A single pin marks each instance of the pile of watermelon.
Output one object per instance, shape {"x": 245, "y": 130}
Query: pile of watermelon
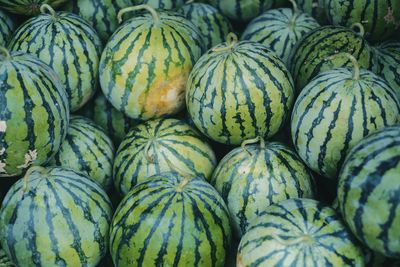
{"x": 199, "y": 133}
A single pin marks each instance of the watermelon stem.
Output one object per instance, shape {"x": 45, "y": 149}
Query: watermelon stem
{"x": 152, "y": 11}
{"x": 5, "y": 52}
{"x": 253, "y": 141}
{"x": 353, "y": 60}
{"x": 39, "y": 169}
{"x": 150, "y": 158}
{"x": 231, "y": 41}
{"x": 296, "y": 13}
{"x": 182, "y": 184}
{"x": 45, "y": 8}
{"x": 360, "y": 27}
{"x": 189, "y": 2}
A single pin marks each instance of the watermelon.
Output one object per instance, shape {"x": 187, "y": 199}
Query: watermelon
{"x": 380, "y": 18}
{"x": 213, "y": 26}
{"x": 252, "y": 177}
{"x": 28, "y": 7}
{"x": 299, "y": 232}
{"x": 171, "y": 220}
{"x": 369, "y": 191}
{"x": 242, "y": 10}
{"x": 69, "y": 45}
{"x": 34, "y": 112}
{"x": 310, "y": 54}
{"x": 280, "y": 29}
{"x": 161, "y": 145}
{"x": 87, "y": 149}
{"x": 338, "y": 109}
{"x": 145, "y": 65}
{"x": 113, "y": 122}
{"x": 161, "y": 4}
{"x": 387, "y": 60}
{"x": 101, "y": 14}
{"x": 55, "y": 217}
{"x": 239, "y": 91}
{"x": 7, "y": 27}
{"x": 315, "y": 8}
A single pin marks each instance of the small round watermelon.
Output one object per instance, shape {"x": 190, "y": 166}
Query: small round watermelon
{"x": 239, "y": 91}
{"x": 299, "y": 232}
{"x": 171, "y": 220}
{"x": 315, "y": 8}
{"x": 338, "y": 109}
{"x": 213, "y": 26}
{"x": 146, "y": 63}
{"x": 369, "y": 191}
{"x": 380, "y": 18}
{"x": 158, "y": 146}
{"x": 7, "y": 27}
{"x": 28, "y": 7}
{"x": 87, "y": 149}
{"x": 387, "y": 60}
{"x": 114, "y": 122}
{"x": 55, "y": 217}
{"x": 101, "y": 14}
{"x": 69, "y": 45}
{"x": 242, "y": 10}
{"x": 280, "y": 30}
{"x": 310, "y": 55}
{"x": 161, "y": 4}
{"x": 34, "y": 112}
{"x": 252, "y": 177}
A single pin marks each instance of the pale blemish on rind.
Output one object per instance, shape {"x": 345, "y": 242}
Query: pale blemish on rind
{"x": 3, "y": 126}
{"x": 2, "y": 164}
{"x": 29, "y": 158}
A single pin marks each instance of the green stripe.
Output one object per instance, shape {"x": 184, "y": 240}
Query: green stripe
{"x": 253, "y": 100}
{"x": 380, "y": 18}
{"x": 212, "y": 24}
{"x": 168, "y": 140}
{"x": 251, "y": 180}
{"x": 163, "y": 227}
{"x": 87, "y": 149}
{"x": 71, "y": 229}
{"x": 7, "y": 26}
{"x": 333, "y": 97}
{"x": 368, "y": 191}
{"x": 326, "y": 238}
{"x": 309, "y": 56}
{"x": 70, "y": 46}
{"x": 33, "y": 106}
{"x": 28, "y": 7}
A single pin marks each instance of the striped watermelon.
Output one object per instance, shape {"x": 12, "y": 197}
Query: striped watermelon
{"x": 212, "y": 24}
{"x": 315, "y": 8}
{"x": 310, "y": 54}
{"x": 380, "y": 18}
{"x": 238, "y": 91}
{"x": 338, "y": 109}
{"x": 55, "y": 217}
{"x": 145, "y": 65}
{"x": 28, "y": 7}
{"x": 280, "y": 29}
{"x": 250, "y": 178}
{"x": 299, "y": 232}
{"x": 387, "y": 59}
{"x": 87, "y": 149}
{"x": 158, "y": 146}
{"x": 7, "y": 27}
{"x": 34, "y": 112}
{"x": 69, "y": 45}
{"x": 171, "y": 220}
{"x": 242, "y": 10}
{"x": 114, "y": 122}
{"x": 101, "y": 14}
{"x": 369, "y": 191}
{"x": 161, "y": 4}
{"x": 4, "y": 260}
